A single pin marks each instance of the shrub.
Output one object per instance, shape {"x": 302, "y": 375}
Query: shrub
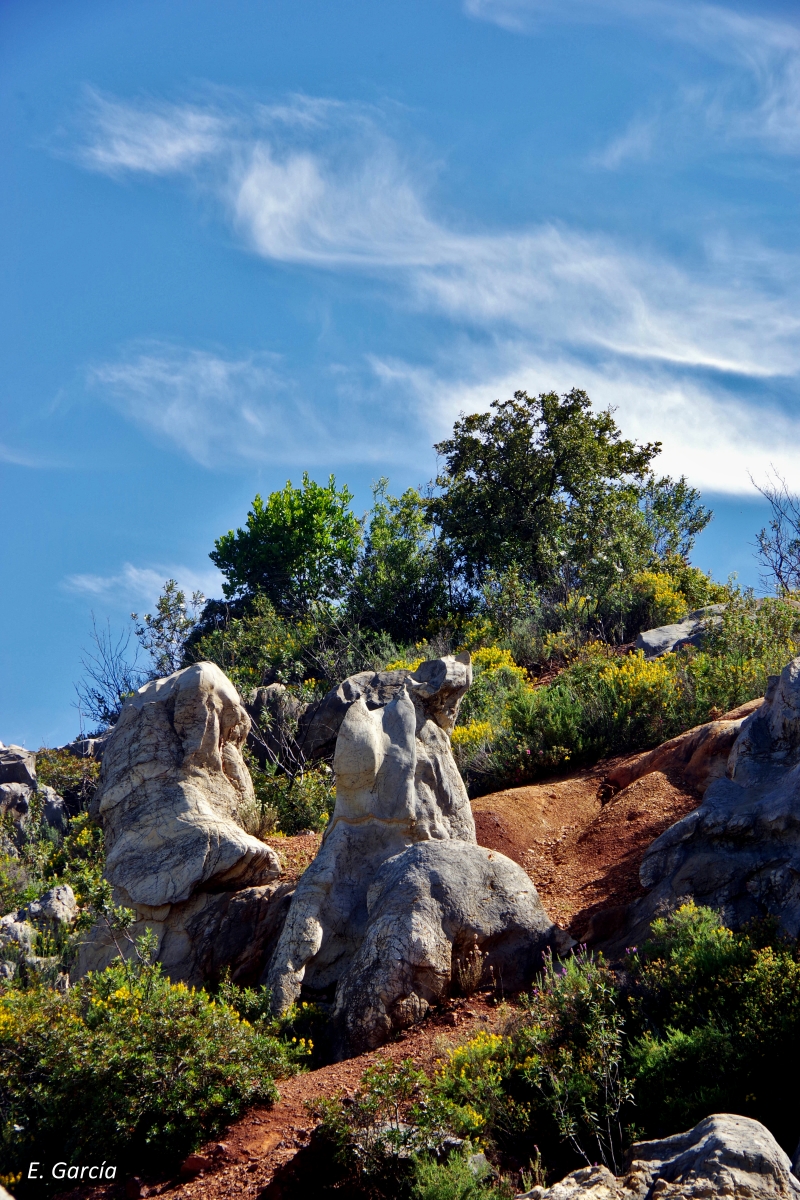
{"x": 718, "y": 1021}
{"x": 288, "y": 805}
{"x": 571, "y": 1047}
{"x": 662, "y": 601}
{"x": 73, "y": 778}
{"x": 755, "y": 639}
{"x": 455, "y": 1179}
{"x": 126, "y": 1066}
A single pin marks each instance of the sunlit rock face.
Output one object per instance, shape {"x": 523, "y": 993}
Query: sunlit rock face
{"x": 172, "y": 785}
{"x": 402, "y": 826}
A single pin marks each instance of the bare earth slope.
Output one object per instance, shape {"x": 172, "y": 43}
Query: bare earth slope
{"x": 582, "y": 854}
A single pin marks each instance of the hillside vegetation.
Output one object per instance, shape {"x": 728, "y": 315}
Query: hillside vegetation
{"x": 545, "y": 544}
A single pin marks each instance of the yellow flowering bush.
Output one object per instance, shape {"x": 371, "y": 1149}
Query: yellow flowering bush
{"x": 659, "y": 592}
{"x": 126, "y": 1066}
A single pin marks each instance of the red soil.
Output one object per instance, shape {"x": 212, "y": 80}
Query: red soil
{"x": 583, "y": 855}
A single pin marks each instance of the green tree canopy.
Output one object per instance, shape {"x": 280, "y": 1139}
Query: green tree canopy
{"x": 298, "y": 547}
{"x": 400, "y": 584}
{"x": 549, "y": 485}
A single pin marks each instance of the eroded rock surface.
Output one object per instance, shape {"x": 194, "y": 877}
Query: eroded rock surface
{"x": 739, "y": 851}
{"x": 17, "y": 765}
{"x": 428, "y": 910}
{"x": 698, "y": 755}
{"x": 172, "y": 787}
{"x": 402, "y": 827}
{"x": 724, "y": 1155}
{"x": 172, "y": 784}
{"x": 690, "y": 631}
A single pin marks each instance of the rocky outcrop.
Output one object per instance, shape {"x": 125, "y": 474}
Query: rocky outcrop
{"x": 17, "y": 765}
{"x": 724, "y": 1155}
{"x": 690, "y": 631}
{"x": 212, "y": 932}
{"x": 172, "y": 784}
{"x": 319, "y": 725}
{"x": 739, "y": 851}
{"x": 434, "y": 909}
{"x": 399, "y": 883}
{"x": 57, "y": 908}
{"x": 172, "y": 787}
{"x": 698, "y": 755}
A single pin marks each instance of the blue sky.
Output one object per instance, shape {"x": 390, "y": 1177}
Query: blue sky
{"x": 244, "y": 239}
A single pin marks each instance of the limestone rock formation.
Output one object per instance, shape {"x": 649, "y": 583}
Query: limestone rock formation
{"x": 739, "y": 851}
{"x": 402, "y": 827}
{"x": 172, "y": 786}
{"x": 200, "y": 939}
{"x": 57, "y": 907}
{"x": 428, "y": 910}
{"x": 723, "y": 1156}
{"x": 17, "y": 765}
{"x": 691, "y": 630}
{"x": 699, "y": 755}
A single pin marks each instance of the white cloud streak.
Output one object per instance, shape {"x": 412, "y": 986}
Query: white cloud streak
{"x": 715, "y": 440}
{"x": 222, "y": 411}
{"x": 157, "y": 139}
{"x": 343, "y": 199}
{"x": 134, "y": 586}
{"x": 758, "y": 100}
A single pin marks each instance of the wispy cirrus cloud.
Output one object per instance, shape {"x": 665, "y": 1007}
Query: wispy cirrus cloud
{"x": 154, "y": 138}
{"x": 322, "y": 185}
{"x": 756, "y": 99}
{"x": 131, "y": 585}
{"x": 222, "y": 411}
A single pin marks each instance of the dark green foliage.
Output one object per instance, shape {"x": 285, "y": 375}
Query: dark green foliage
{"x": 401, "y": 585}
{"x": 164, "y": 634}
{"x": 551, "y": 486}
{"x": 700, "y": 1020}
{"x": 299, "y": 547}
{"x": 127, "y": 1068}
{"x": 300, "y": 802}
{"x": 718, "y": 1021}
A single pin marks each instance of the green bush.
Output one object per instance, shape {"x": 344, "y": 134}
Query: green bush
{"x": 603, "y": 703}
{"x": 718, "y": 1021}
{"x": 126, "y": 1067}
{"x": 455, "y": 1179}
{"x": 73, "y": 778}
{"x": 289, "y": 805}
{"x": 700, "y": 1020}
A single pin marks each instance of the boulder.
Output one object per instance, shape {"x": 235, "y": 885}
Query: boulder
{"x": 197, "y": 941}
{"x": 690, "y": 631}
{"x": 274, "y": 713}
{"x": 54, "y": 809}
{"x": 90, "y": 747}
{"x": 16, "y": 933}
{"x": 172, "y": 783}
{"x": 739, "y": 851}
{"x": 724, "y": 1155}
{"x": 172, "y": 787}
{"x": 56, "y": 907}
{"x": 399, "y": 871}
{"x": 319, "y": 725}
{"x": 438, "y": 903}
{"x": 15, "y": 801}
{"x": 17, "y": 765}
